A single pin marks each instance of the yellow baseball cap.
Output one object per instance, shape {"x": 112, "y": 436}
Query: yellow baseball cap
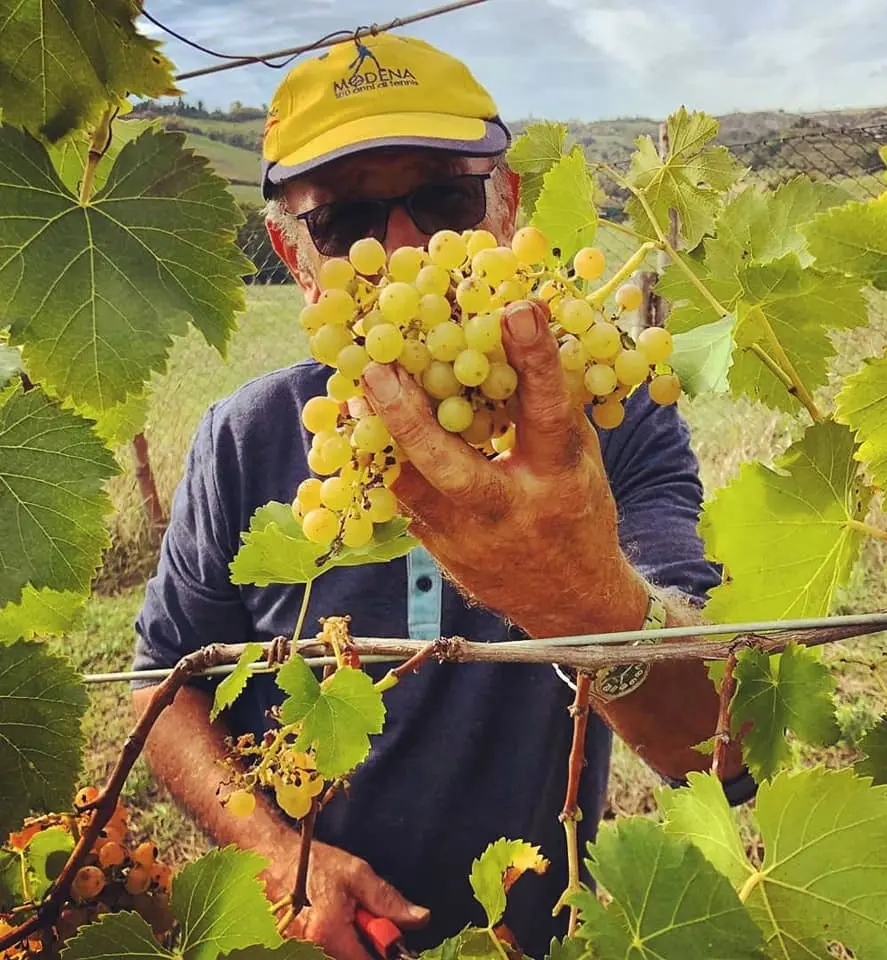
{"x": 378, "y": 91}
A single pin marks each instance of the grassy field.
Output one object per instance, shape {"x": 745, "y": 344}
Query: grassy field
{"x": 725, "y": 432}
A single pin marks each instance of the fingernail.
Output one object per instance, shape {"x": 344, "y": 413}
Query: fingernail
{"x": 382, "y": 382}
{"x": 522, "y": 324}
{"x": 420, "y": 914}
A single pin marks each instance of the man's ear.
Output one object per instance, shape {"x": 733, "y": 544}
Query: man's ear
{"x": 512, "y": 192}
{"x": 289, "y": 254}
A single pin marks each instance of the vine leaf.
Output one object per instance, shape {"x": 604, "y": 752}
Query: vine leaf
{"x": 862, "y": 405}
{"x": 570, "y": 948}
{"x": 120, "y": 423}
{"x": 669, "y": 902}
{"x": 233, "y": 685}
{"x": 565, "y": 209}
{"x": 786, "y": 535}
{"x": 69, "y": 157}
{"x": 690, "y": 180}
{"x": 41, "y": 613}
{"x": 60, "y": 65}
{"x": 221, "y": 905}
{"x": 124, "y": 936}
{"x": 852, "y": 239}
{"x": 824, "y": 876}
{"x": 794, "y": 694}
{"x": 275, "y": 550}
{"x": 52, "y": 473}
{"x": 337, "y": 716}
{"x": 288, "y": 950}
{"x": 95, "y": 293}
{"x": 702, "y": 357}
{"x": 12, "y": 891}
{"x": 532, "y": 155}
{"x": 42, "y": 701}
{"x": 44, "y": 858}
{"x": 874, "y": 746}
{"x": 495, "y": 871}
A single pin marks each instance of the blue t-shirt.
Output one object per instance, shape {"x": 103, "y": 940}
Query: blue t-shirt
{"x": 470, "y": 752}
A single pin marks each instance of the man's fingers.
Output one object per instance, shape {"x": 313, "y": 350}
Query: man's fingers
{"x": 334, "y": 931}
{"x": 384, "y": 900}
{"x": 444, "y": 459}
{"x": 550, "y": 435}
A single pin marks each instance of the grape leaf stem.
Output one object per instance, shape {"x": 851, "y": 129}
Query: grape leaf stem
{"x": 394, "y": 676}
{"x": 98, "y": 146}
{"x": 802, "y": 393}
{"x": 867, "y": 529}
{"x": 626, "y": 270}
{"x": 722, "y": 732}
{"x": 303, "y": 610}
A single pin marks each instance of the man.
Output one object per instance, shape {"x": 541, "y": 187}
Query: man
{"x": 567, "y": 536}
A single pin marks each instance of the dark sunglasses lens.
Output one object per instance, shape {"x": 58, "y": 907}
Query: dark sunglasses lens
{"x": 457, "y": 204}
{"x": 336, "y": 226}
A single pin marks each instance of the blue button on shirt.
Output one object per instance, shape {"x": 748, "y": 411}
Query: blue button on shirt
{"x": 470, "y": 752}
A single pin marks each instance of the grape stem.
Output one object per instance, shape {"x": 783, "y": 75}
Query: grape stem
{"x": 394, "y": 676}
{"x": 299, "y": 897}
{"x": 98, "y": 146}
{"x": 303, "y": 610}
{"x": 625, "y": 271}
{"x": 571, "y": 814}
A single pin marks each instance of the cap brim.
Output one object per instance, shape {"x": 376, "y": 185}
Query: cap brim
{"x": 468, "y": 136}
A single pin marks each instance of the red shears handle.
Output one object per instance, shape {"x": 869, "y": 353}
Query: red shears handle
{"x": 383, "y": 934}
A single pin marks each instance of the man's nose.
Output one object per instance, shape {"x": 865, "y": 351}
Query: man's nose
{"x": 402, "y": 232}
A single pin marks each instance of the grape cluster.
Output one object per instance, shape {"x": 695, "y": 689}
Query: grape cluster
{"x": 438, "y": 314}
{"x": 114, "y": 877}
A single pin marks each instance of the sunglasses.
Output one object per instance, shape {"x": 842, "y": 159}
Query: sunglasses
{"x": 458, "y": 203}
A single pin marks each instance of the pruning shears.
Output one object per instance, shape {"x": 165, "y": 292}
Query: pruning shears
{"x": 383, "y": 936}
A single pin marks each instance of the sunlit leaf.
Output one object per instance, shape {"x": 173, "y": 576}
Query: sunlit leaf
{"x": 862, "y": 405}
{"x": 532, "y": 155}
{"x": 565, "y": 210}
{"x": 497, "y": 868}
{"x": 235, "y": 683}
{"x": 874, "y": 747}
{"x": 41, "y": 613}
{"x": 702, "y": 357}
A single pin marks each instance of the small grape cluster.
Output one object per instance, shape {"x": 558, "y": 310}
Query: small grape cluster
{"x": 114, "y": 877}
{"x": 438, "y": 314}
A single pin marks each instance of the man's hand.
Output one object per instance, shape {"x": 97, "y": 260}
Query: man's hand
{"x": 532, "y": 534}
{"x": 337, "y": 884}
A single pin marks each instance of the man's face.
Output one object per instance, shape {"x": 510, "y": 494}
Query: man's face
{"x": 390, "y": 173}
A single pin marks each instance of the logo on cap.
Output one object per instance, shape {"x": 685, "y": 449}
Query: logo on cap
{"x": 368, "y": 74}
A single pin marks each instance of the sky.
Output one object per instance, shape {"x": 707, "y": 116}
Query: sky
{"x": 577, "y": 59}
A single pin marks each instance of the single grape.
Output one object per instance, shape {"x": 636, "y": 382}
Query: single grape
{"x": 382, "y": 505}
{"x": 572, "y": 354}
{"x": 391, "y": 473}
{"x": 311, "y": 318}
{"x": 439, "y": 380}
{"x": 352, "y": 359}
{"x": 629, "y": 297}
{"x": 665, "y": 389}
{"x": 144, "y": 854}
{"x": 548, "y": 291}
{"x": 327, "y": 342}
{"x": 501, "y": 381}
{"x": 336, "y": 451}
{"x": 358, "y": 531}
{"x": 447, "y": 249}
{"x": 433, "y": 309}
{"x": 367, "y": 256}
{"x": 241, "y": 803}
{"x": 575, "y": 315}
{"x": 308, "y": 493}
{"x": 341, "y": 389}
{"x": 589, "y": 263}
{"x": 511, "y": 290}
{"x": 530, "y": 245}
{"x": 320, "y": 413}
{"x": 372, "y": 319}
{"x": 656, "y": 344}
{"x": 433, "y": 279}
{"x": 600, "y": 379}
{"x": 85, "y": 796}
{"x": 405, "y": 263}
{"x": 337, "y": 307}
{"x": 161, "y": 874}
{"x": 602, "y": 341}
{"x": 112, "y": 854}
{"x": 335, "y": 274}
{"x": 473, "y": 295}
{"x": 478, "y": 240}
{"x": 370, "y": 435}
{"x": 445, "y": 341}
{"x": 317, "y": 464}
{"x": 88, "y": 883}
{"x": 384, "y": 343}
{"x": 293, "y": 800}
{"x": 320, "y": 525}
{"x": 506, "y": 441}
{"x": 414, "y": 357}
{"x": 138, "y": 879}
{"x": 479, "y": 431}
{"x": 495, "y": 265}
{"x": 631, "y": 367}
{"x": 455, "y": 414}
{"x": 483, "y": 331}
{"x": 335, "y": 493}
{"x": 471, "y": 367}
{"x": 399, "y": 303}
{"x": 608, "y": 415}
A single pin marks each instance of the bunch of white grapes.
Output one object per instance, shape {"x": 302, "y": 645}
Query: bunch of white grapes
{"x": 438, "y": 313}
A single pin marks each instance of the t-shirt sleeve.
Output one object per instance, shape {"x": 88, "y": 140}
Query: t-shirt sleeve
{"x": 191, "y": 602}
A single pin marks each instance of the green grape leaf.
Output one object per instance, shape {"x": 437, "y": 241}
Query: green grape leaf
{"x": 221, "y": 905}
{"x": 288, "y": 950}
{"x": 570, "y": 948}
{"x": 874, "y": 746}
{"x": 10, "y": 363}
{"x": 69, "y": 157}
{"x": 449, "y": 949}
{"x": 275, "y": 550}
{"x": 494, "y": 872}
{"x": 12, "y": 891}
{"x": 337, "y": 716}
{"x": 669, "y": 902}
{"x": 41, "y": 613}
{"x": 61, "y": 65}
{"x": 565, "y": 210}
{"x": 52, "y": 512}
{"x": 794, "y": 694}
{"x": 702, "y": 357}
{"x": 123, "y": 936}
{"x": 44, "y": 858}
{"x": 824, "y": 876}
{"x": 690, "y": 179}
{"x": 852, "y": 239}
{"x": 701, "y": 814}
{"x": 95, "y": 293}
{"x": 532, "y": 155}
{"x": 235, "y": 683}
{"x": 42, "y": 701}
{"x": 787, "y": 536}
{"x": 120, "y": 423}
{"x": 862, "y": 405}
